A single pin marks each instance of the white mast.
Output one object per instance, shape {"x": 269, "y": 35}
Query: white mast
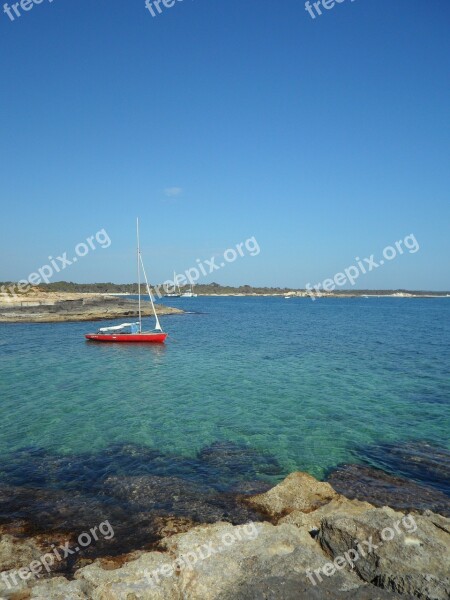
{"x": 175, "y": 278}
{"x": 158, "y": 326}
{"x": 139, "y": 273}
{"x": 141, "y": 263}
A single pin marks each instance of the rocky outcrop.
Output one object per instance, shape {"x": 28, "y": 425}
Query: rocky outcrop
{"x": 319, "y": 546}
{"x": 57, "y": 308}
{"x": 241, "y": 565}
{"x": 338, "y": 506}
{"x": 407, "y": 554}
{"x": 299, "y": 491}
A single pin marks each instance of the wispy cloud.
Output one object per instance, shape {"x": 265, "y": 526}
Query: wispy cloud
{"x": 173, "y": 192}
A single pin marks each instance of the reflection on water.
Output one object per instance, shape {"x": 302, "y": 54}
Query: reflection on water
{"x": 127, "y": 351}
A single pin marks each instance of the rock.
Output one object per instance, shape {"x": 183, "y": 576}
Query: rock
{"x": 241, "y": 556}
{"x": 438, "y": 520}
{"x": 177, "y": 497}
{"x": 65, "y": 307}
{"x": 166, "y": 526}
{"x": 132, "y": 486}
{"x": 382, "y": 489}
{"x": 399, "y": 556}
{"x": 299, "y": 491}
{"x": 313, "y": 520}
{"x": 418, "y": 460}
{"x": 58, "y": 515}
{"x": 295, "y": 587}
{"x": 237, "y": 461}
{"x": 247, "y": 488}
{"x": 58, "y": 588}
{"x": 151, "y": 491}
{"x": 226, "y": 562}
{"x": 407, "y": 554}
{"x": 16, "y": 552}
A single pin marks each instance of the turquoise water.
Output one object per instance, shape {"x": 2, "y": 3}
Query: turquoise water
{"x": 310, "y": 383}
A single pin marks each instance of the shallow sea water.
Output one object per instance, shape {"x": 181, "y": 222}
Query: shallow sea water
{"x": 308, "y": 383}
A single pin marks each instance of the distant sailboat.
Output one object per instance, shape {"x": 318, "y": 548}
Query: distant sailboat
{"x": 132, "y": 332}
{"x": 189, "y": 293}
{"x": 176, "y": 286}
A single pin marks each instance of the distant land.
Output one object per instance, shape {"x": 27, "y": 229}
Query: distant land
{"x": 216, "y": 289}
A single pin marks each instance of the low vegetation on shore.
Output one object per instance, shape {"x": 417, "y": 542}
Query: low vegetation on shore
{"x": 206, "y": 289}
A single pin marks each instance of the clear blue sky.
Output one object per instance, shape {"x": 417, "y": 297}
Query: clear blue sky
{"x": 325, "y": 139}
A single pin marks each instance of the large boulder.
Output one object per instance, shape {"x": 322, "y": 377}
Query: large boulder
{"x": 408, "y": 554}
{"x": 338, "y": 506}
{"x": 299, "y": 491}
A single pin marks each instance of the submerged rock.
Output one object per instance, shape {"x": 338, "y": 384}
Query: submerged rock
{"x": 130, "y": 485}
{"x": 382, "y": 489}
{"x": 223, "y": 466}
{"x": 177, "y": 497}
{"x": 38, "y": 468}
{"x": 166, "y": 526}
{"x": 232, "y": 460}
{"x": 418, "y": 460}
{"x": 248, "y": 488}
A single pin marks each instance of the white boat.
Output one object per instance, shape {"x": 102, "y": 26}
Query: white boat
{"x": 189, "y": 293}
{"x": 176, "y": 294}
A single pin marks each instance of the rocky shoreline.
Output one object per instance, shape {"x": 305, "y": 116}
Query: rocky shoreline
{"x": 307, "y": 541}
{"x": 66, "y": 307}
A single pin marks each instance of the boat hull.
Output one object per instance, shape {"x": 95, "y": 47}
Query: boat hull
{"x": 142, "y": 338}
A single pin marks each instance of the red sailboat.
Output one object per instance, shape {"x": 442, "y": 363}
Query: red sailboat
{"x": 132, "y": 332}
